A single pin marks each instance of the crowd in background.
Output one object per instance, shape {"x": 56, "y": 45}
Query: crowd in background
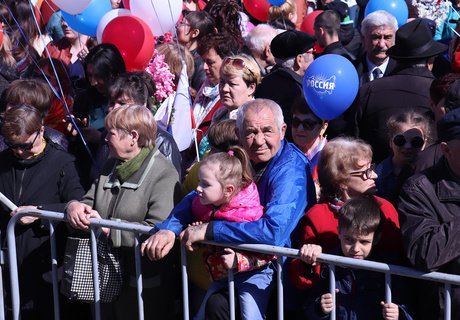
{"x": 254, "y": 162}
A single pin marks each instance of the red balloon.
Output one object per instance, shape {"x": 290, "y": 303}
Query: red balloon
{"x": 309, "y": 22}
{"x": 1, "y": 35}
{"x": 133, "y": 38}
{"x": 257, "y": 9}
{"x": 126, "y": 4}
{"x": 47, "y": 9}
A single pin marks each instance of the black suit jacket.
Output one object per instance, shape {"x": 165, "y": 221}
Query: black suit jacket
{"x": 363, "y": 69}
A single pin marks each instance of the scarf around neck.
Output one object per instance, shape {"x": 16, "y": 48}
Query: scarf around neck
{"x": 126, "y": 169}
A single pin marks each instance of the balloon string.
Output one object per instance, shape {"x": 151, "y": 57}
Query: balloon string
{"x": 35, "y": 62}
{"x": 158, "y": 18}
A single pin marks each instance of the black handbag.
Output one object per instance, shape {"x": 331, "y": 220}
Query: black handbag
{"x": 77, "y": 279}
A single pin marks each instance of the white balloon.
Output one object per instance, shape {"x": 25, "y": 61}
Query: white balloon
{"x": 160, "y": 15}
{"x": 72, "y": 6}
{"x": 106, "y": 18}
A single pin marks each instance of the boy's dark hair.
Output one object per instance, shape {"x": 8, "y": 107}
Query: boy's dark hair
{"x": 361, "y": 214}
{"x": 329, "y": 20}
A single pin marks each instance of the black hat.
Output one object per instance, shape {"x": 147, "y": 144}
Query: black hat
{"x": 453, "y": 96}
{"x": 291, "y": 43}
{"x": 415, "y": 41}
{"x": 449, "y": 126}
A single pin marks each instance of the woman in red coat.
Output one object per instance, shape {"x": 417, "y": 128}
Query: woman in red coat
{"x": 344, "y": 171}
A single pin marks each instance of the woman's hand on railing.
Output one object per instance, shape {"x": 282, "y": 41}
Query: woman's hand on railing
{"x": 309, "y": 253}
{"x": 390, "y": 311}
{"x": 26, "y": 219}
{"x": 158, "y": 245}
{"x": 78, "y": 215}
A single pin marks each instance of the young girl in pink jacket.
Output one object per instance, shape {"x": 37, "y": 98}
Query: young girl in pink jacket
{"x": 226, "y": 192}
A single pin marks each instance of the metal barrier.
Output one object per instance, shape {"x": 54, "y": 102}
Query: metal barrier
{"x": 387, "y": 269}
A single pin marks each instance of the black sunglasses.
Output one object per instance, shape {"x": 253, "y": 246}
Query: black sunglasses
{"x": 365, "y": 174}
{"x": 416, "y": 142}
{"x": 306, "y": 124}
{"x": 23, "y": 146}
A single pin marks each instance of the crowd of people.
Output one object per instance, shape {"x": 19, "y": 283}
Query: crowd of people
{"x": 82, "y": 135}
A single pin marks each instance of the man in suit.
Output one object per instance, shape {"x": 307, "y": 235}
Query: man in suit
{"x": 407, "y": 88}
{"x": 378, "y": 31}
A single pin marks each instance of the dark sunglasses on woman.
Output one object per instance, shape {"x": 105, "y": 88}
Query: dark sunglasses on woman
{"x": 415, "y": 142}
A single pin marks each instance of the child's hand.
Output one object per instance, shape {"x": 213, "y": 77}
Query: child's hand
{"x": 390, "y": 311}
{"x": 196, "y": 223}
{"x": 309, "y": 253}
{"x": 229, "y": 258}
{"x": 326, "y": 303}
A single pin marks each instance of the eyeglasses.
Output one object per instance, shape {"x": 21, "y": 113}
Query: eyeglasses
{"x": 416, "y": 142}
{"x": 306, "y": 123}
{"x": 238, "y": 64}
{"x": 311, "y": 51}
{"x": 23, "y": 146}
{"x": 364, "y": 174}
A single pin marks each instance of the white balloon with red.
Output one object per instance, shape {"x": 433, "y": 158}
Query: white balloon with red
{"x": 72, "y": 6}
{"x": 160, "y": 15}
{"x": 109, "y": 16}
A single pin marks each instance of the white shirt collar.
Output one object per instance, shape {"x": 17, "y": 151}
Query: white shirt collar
{"x": 371, "y": 66}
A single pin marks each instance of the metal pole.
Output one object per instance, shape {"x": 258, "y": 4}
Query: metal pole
{"x": 447, "y": 302}
{"x": 137, "y": 260}
{"x": 279, "y": 279}
{"x": 231, "y": 294}
{"x": 332, "y": 289}
{"x": 388, "y": 287}
{"x": 54, "y": 269}
{"x": 185, "y": 304}
{"x": 97, "y": 300}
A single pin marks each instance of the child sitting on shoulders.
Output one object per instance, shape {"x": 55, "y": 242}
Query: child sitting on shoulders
{"x": 360, "y": 293}
{"x": 226, "y": 192}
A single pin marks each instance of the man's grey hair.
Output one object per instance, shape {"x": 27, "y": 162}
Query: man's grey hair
{"x": 286, "y": 63}
{"x": 378, "y": 18}
{"x": 257, "y": 105}
{"x": 259, "y": 37}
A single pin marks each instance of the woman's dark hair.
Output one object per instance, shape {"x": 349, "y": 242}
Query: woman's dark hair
{"x": 440, "y": 86}
{"x": 33, "y": 92}
{"x": 226, "y": 14}
{"x": 223, "y": 44}
{"x": 202, "y": 21}
{"x": 19, "y": 121}
{"x": 131, "y": 85}
{"x": 106, "y": 61}
{"x": 301, "y": 106}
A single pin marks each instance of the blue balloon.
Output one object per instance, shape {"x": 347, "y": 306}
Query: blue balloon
{"x": 87, "y": 21}
{"x": 398, "y": 8}
{"x": 276, "y": 2}
{"x": 330, "y": 85}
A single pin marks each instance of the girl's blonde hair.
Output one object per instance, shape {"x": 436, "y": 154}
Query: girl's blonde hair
{"x": 233, "y": 167}
{"x": 276, "y": 12}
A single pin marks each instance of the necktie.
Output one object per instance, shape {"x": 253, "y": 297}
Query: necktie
{"x": 377, "y": 73}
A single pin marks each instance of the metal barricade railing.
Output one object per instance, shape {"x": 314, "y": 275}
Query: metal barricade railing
{"x": 447, "y": 279}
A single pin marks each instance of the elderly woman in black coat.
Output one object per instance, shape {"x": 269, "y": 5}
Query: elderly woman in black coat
{"x": 34, "y": 172}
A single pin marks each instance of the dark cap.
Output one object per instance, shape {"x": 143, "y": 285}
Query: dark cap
{"x": 291, "y": 43}
{"x": 449, "y": 126}
{"x": 453, "y": 96}
{"x": 415, "y": 41}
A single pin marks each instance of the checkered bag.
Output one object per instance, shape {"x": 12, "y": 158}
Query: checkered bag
{"x": 77, "y": 280}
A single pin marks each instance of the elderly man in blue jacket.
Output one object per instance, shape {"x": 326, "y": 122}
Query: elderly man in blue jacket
{"x": 283, "y": 178}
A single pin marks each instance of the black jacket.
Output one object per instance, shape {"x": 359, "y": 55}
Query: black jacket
{"x": 429, "y": 208}
{"x": 50, "y": 180}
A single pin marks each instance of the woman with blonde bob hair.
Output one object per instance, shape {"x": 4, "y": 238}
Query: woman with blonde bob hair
{"x": 239, "y": 77}
{"x": 344, "y": 172}
{"x": 138, "y": 184}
